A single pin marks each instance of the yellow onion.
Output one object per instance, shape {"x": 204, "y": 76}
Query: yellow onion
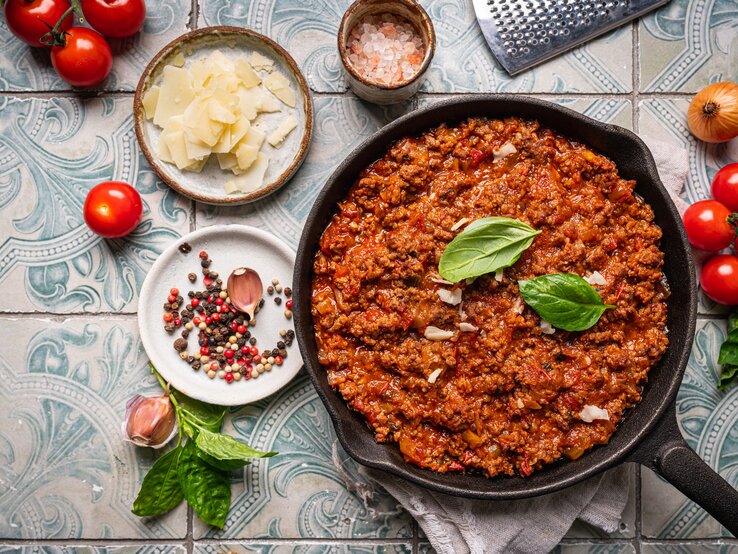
{"x": 713, "y": 113}
{"x": 150, "y": 421}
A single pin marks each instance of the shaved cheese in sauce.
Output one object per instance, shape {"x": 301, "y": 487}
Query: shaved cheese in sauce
{"x": 591, "y": 413}
{"x": 547, "y": 328}
{"x": 503, "y": 151}
{"x": 434, "y": 376}
{"x": 499, "y": 275}
{"x": 465, "y": 327}
{"x": 460, "y": 223}
{"x": 434, "y": 333}
{"x": 596, "y": 279}
{"x": 452, "y": 297}
{"x": 208, "y": 107}
{"x": 441, "y": 281}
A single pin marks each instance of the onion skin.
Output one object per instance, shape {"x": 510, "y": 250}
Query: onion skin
{"x": 713, "y": 113}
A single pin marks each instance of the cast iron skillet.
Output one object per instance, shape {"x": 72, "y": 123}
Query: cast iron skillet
{"x": 648, "y": 434}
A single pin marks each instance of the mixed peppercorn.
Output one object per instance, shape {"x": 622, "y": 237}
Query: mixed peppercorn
{"x": 226, "y": 347}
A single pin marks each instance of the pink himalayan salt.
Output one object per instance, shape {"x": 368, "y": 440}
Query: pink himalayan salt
{"x": 385, "y": 48}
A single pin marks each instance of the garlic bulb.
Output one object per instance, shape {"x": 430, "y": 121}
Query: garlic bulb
{"x": 149, "y": 421}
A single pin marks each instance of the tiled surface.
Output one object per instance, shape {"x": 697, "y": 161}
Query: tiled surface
{"x": 75, "y": 356}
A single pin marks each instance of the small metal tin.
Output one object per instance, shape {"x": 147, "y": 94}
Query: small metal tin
{"x": 368, "y": 89}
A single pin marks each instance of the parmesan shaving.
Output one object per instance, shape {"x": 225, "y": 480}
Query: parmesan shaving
{"x": 591, "y": 413}
{"x": 499, "y": 275}
{"x": 596, "y": 279}
{"x": 521, "y": 405}
{"x": 434, "y": 333}
{"x": 519, "y": 306}
{"x": 547, "y": 328}
{"x": 434, "y": 376}
{"x": 452, "y": 297}
{"x": 465, "y": 327}
{"x": 503, "y": 151}
{"x": 460, "y": 223}
{"x": 441, "y": 281}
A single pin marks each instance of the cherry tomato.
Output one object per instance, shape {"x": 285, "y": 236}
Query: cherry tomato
{"x": 720, "y": 279}
{"x": 708, "y": 226}
{"x": 725, "y": 186}
{"x": 115, "y": 18}
{"x": 113, "y": 209}
{"x": 85, "y": 60}
{"x": 29, "y": 20}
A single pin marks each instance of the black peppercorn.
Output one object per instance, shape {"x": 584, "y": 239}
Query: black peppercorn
{"x": 277, "y": 300}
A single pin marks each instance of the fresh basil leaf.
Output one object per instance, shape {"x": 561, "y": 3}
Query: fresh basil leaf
{"x": 160, "y": 490}
{"x": 486, "y": 245}
{"x": 223, "y": 465}
{"x": 566, "y": 301}
{"x": 206, "y": 489}
{"x": 200, "y": 413}
{"x": 728, "y": 376}
{"x": 728, "y": 358}
{"x": 729, "y": 349}
{"x": 225, "y": 447}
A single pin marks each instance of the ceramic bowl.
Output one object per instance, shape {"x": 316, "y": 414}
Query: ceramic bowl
{"x": 371, "y": 90}
{"x": 207, "y": 186}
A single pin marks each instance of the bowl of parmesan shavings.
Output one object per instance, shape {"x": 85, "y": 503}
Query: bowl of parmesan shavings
{"x": 223, "y": 115}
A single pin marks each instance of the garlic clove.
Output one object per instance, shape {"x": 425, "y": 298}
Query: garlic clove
{"x": 149, "y": 421}
{"x": 245, "y": 289}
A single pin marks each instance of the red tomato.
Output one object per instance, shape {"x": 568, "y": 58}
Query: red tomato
{"x": 720, "y": 279}
{"x": 29, "y": 20}
{"x": 115, "y": 18}
{"x": 725, "y": 186}
{"x": 708, "y": 227}
{"x": 85, "y": 60}
{"x": 113, "y": 209}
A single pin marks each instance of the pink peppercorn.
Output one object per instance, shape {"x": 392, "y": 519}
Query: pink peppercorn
{"x": 288, "y": 304}
{"x": 228, "y": 353}
{"x": 229, "y": 377}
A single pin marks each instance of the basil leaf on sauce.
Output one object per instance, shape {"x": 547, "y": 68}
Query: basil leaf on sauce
{"x": 225, "y": 447}
{"x": 207, "y": 490}
{"x": 729, "y": 355}
{"x": 160, "y": 490}
{"x": 486, "y": 245}
{"x": 566, "y": 301}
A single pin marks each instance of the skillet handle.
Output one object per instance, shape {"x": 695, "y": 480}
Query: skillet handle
{"x": 666, "y": 452}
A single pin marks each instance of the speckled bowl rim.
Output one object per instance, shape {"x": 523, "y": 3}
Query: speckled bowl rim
{"x": 154, "y": 162}
{"x": 427, "y": 59}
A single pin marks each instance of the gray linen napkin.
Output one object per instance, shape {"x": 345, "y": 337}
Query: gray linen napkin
{"x": 463, "y": 526}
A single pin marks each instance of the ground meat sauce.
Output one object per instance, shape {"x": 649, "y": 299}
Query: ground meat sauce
{"x": 508, "y": 396}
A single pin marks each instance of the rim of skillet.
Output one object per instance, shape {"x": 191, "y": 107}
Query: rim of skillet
{"x": 595, "y": 460}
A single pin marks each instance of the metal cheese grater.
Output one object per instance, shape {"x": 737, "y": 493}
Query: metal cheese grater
{"x": 524, "y": 33}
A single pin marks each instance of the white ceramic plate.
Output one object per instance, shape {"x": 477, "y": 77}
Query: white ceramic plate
{"x": 207, "y": 186}
{"x": 229, "y": 246}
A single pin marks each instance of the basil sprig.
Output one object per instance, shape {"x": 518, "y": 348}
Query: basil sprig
{"x": 566, "y": 301}
{"x": 486, "y": 245}
{"x": 729, "y": 355}
{"x": 196, "y": 470}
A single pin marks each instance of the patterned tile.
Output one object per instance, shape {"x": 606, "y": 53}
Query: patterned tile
{"x": 65, "y": 473}
{"x": 308, "y": 30}
{"x": 707, "y": 418}
{"x": 71, "y": 549}
{"x": 310, "y": 548}
{"x": 23, "y": 68}
{"x": 52, "y": 151}
{"x": 666, "y": 121}
{"x": 691, "y": 548}
{"x": 688, "y": 44}
{"x": 341, "y": 123}
{"x": 594, "y": 548}
{"x": 301, "y": 493}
